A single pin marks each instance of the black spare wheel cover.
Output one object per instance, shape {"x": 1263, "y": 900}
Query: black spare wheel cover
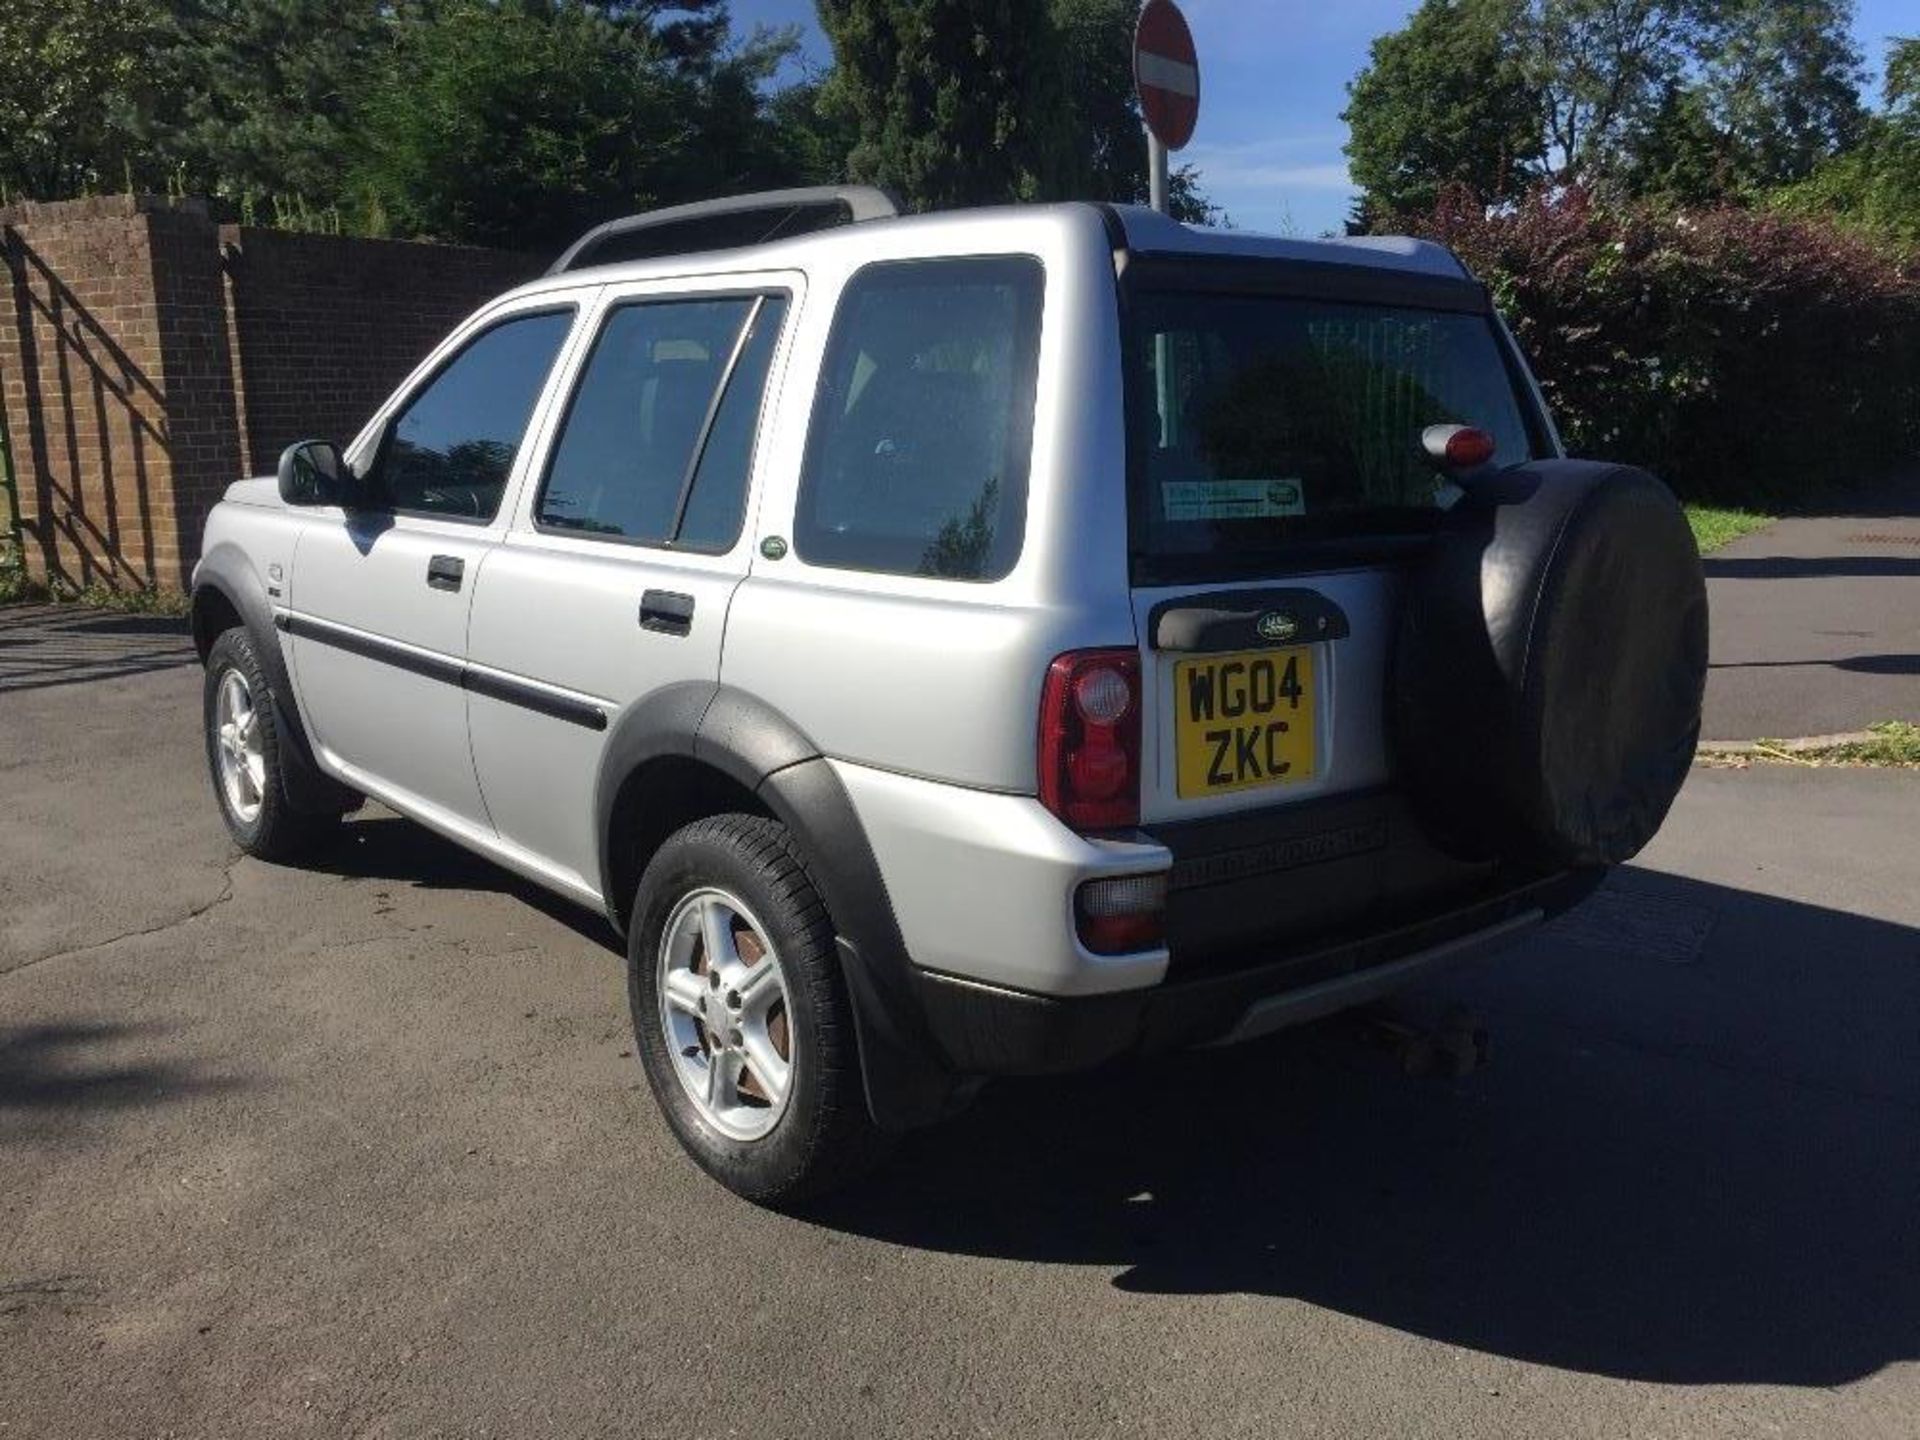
{"x": 1550, "y": 664}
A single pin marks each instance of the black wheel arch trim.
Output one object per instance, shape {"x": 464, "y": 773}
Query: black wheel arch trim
{"x": 761, "y": 749}
{"x": 226, "y": 571}
{"x": 736, "y": 733}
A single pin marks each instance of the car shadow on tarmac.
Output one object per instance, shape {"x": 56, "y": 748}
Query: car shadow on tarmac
{"x": 1695, "y": 1157}
{"x": 378, "y": 845}
{"x": 1689, "y": 1162}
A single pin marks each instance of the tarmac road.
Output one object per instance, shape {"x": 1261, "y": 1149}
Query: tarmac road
{"x": 361, "y": 1150}
{"x": 1816, "y": 623}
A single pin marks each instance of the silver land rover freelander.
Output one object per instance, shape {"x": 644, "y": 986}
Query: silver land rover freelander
{"x": 963, "y": 645}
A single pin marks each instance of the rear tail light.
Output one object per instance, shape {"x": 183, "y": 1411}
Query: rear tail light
{"x": 1121, "y": 916}
{"x": 1090, "y": 739}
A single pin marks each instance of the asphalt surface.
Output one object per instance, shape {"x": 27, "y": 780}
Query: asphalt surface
{"x": 1816, "y": 624}
{"x": 361, "y": 1150}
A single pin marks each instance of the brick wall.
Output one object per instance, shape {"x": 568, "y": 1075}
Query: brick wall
{"x": 81, "y": 374}
{"x": 325, "y": 327}
{"x": 149, "y": 357}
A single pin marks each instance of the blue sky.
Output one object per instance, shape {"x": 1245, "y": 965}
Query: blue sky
{"x": 1273, "y": 84}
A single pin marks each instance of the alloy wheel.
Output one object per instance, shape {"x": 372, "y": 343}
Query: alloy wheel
{"x": 725, "y": 1013}
{"x": 238, "y": 745}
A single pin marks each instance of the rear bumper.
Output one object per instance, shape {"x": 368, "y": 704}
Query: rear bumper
{"x": 958, "y": 930}
{"x": 985, "y": 1029}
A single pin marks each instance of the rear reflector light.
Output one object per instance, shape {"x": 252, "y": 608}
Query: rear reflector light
{"x": 1090, "y": 739}
{"x": 1458, "y": 447}
{"x": 1469, "y": 449}
{"x": 1118, "y": 917}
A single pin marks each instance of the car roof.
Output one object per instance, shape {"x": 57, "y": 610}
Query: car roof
{"x": 988, "y": 230}
{"x": 1151, "y": 233}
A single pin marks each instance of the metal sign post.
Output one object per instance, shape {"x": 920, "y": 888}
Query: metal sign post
{"x": 1157, "y": 175}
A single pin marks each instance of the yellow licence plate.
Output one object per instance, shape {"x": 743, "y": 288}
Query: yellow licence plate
{"x": 1243, "y": 720}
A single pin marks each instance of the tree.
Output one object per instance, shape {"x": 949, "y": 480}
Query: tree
{"x": 1446, "y": 101}
{"x": 522, "y": 122}
{"x": 70, "y": 75}
{"x": 956, "y": 102}
{"x": 1699, "y": 99}
{"x": 813, "y": 136}
{"x": 1876, "y": 184}
{"x": 1774, "y": 93}
{"x": 953, "y": 102}
{"x": 1602, "y": 68}
{"x": 255, "y": 99}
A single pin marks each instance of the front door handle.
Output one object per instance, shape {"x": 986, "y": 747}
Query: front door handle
{"x": 667, "y": 612}
{"x": 444, "y": 572}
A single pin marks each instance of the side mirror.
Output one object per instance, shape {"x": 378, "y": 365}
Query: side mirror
{"x": 314, "y": 472}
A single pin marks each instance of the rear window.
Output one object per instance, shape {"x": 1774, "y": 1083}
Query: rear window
{"x": 917, "y": 459}
{"x": 1258, "y": 422}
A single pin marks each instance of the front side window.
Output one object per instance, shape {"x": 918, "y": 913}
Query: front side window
{"x": 917, "y": 458}
{"x": 450, "y": 449}
{"x": 1257, "y": 421}
{"x": 658, "y": 440}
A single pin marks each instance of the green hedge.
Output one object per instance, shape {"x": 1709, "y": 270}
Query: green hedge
{"x": 1746, "y": 357}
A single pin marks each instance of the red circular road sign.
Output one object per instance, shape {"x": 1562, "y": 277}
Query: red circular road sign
{"x": 1166, "y": 73}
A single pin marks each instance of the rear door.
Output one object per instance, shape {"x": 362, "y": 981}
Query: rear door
{"x": 615, "y": 579}
{"x": 1277, "y": 484}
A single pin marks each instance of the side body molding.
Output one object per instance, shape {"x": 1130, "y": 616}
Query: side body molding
{"x": 764, "y": 752}
{"x": 226, "y": 574}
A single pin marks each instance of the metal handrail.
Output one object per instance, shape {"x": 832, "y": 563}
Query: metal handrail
{"x": 789, "y": 212}
{"x": 13, "y": 542}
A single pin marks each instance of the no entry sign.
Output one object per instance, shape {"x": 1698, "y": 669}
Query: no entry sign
{"x": 1166, "y": 73}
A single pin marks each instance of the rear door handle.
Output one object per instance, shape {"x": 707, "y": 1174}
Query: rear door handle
{"x": 667, "y": 612}
{"x": 444, "y": 572}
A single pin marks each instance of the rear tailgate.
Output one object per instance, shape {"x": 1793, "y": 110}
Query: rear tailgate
{"x": 1268, "y": 772}
{"x": 1277, "y": 489}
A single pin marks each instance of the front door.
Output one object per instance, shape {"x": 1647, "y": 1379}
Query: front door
{"x": 379, "y": 598}
{"x": 615, "y": 581}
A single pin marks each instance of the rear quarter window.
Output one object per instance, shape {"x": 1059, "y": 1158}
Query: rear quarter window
{"x": 922, "y": 431}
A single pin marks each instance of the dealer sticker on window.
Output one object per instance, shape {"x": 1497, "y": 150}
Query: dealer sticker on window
{"x": 1232, "y": 499}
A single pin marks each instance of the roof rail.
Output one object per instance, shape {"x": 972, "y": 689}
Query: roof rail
{"x": 727, "y": 224}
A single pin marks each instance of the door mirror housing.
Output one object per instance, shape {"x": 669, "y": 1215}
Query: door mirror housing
{"x": 314, "y": 472}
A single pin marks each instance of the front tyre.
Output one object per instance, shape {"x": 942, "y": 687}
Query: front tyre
{"x": 741, "y": 1015}
{"x": 244, "y": 756}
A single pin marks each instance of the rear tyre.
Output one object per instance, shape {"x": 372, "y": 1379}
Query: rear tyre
{"x": 244, "y": 757}
{"x": 742, "y": 1017}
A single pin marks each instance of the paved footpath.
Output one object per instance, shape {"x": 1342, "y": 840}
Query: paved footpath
{"x": 362, "y": 1149}
{"x": 1816, "y": 625}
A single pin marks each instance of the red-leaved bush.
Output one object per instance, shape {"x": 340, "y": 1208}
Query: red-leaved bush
{"x": 1743, "y": 356}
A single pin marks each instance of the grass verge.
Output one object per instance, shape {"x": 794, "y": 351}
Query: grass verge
{"x": 1715, "y": 525}
{"x": 1892, "y": 744}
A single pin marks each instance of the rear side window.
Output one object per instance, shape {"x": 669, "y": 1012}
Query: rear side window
{"x": 658, "y": 438}
{"x": 450, "y": 449}
{"x": 1259, "y": 421}
{"x": 917, "y": 458}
